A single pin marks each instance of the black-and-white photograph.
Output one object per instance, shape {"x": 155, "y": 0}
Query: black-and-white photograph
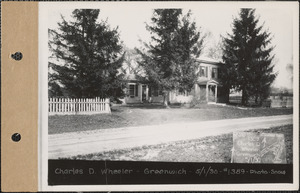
{"x": 171, "y": 84}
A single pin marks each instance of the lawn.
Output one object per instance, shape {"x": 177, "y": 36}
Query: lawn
{"x": 208, "y": 149}
{"x": 138, "y": 115}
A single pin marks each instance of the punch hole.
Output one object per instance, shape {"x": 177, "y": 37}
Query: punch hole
{"x": 17, "y": 56}
{"x": 16, "y": 137}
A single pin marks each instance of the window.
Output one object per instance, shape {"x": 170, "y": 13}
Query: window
{"x": 136, "y": 90}
{"x": 183, "y": 92}
{"x": 203, "y": 71}
{"x": 214, "y": 73}
{"x": 156, "y": 92}
{"x": 131, "y": 90}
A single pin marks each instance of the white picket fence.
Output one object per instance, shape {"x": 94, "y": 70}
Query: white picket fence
{"x": 66, "y": 106}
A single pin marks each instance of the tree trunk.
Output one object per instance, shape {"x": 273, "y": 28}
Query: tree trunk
{"x": 166, "y": 99}
{"x": 261, "y": 99}
{"x": 244, "y": 97}
{"x": 256, "y": 99}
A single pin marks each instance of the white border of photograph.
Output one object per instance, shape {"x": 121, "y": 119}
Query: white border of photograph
{"x": 45, "y": 7}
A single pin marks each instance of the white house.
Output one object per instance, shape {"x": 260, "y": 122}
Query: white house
{"x": 207, "y": 87}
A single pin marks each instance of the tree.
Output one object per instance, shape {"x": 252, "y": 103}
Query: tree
{"x": 87, "y": 56}
{"x": 188, "y": 46}
{"x": 169, "y": 58}
{"x": 54, "y": 90}
{"x": 130, "y": 65}
{"x": 215, "y": 51}
{"x": 247, "y": 57}
{"x": 290, "y": 69}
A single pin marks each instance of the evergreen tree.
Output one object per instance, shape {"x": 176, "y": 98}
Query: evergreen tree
{"x": 188, "y": 46}
{"x": 88, "y": 55}
{"x": 54, "y": 90}
{"x": 248, "y": 59}
{"x": 169, "y": 59}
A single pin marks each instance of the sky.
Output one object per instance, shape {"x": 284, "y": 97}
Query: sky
{"x": 213, "y": 18}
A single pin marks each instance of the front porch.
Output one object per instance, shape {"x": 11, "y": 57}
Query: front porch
{"x": 207, "y": 91}
{"x": 136, "y": 92}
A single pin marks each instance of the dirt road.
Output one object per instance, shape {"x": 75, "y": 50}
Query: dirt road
{"x": 76, "y": 143}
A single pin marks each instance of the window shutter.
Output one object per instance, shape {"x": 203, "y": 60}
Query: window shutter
{"x": 150, "y": 91}
{"x": 206, "y": 71}
{"x": 136, "y": 90}
{"x": 213, "y": 73}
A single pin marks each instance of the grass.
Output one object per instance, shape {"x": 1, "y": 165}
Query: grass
{"x": 208, "y": 149}
{"x": 153, "y": 114}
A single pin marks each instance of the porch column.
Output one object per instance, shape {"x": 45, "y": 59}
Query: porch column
{"x": 216, "y": 93}
{"x": 140, "y": 92}
{"x": 206, "y": 92}
{"x": 147, "y": 92}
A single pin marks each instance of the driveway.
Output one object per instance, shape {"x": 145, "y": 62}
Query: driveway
{"x": 95, "y": 141}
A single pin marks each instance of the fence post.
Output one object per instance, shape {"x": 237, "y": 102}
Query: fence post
{"x": 72, "y": 105}
{"x": 93, "y": 105}
{"x": 96, "y": 104}
{"x": 68, "y": 105}
{"x": 57, "y": 105}
{"x": 83, "y": 105}
{"x": 60, "y": 104}
{"x": 86, "y": 105}
{"x": 99, "y": 104}
{"x": 78, "y": 104}
{"x": 54, "y": 105}
{"x": 63, "y": 105}
{"x": 107, "y": 109}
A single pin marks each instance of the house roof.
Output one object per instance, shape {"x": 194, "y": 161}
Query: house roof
{"x": 134, "y": 78}
{"x": 207, "y": 60}
{"x": 130, "y": 77}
